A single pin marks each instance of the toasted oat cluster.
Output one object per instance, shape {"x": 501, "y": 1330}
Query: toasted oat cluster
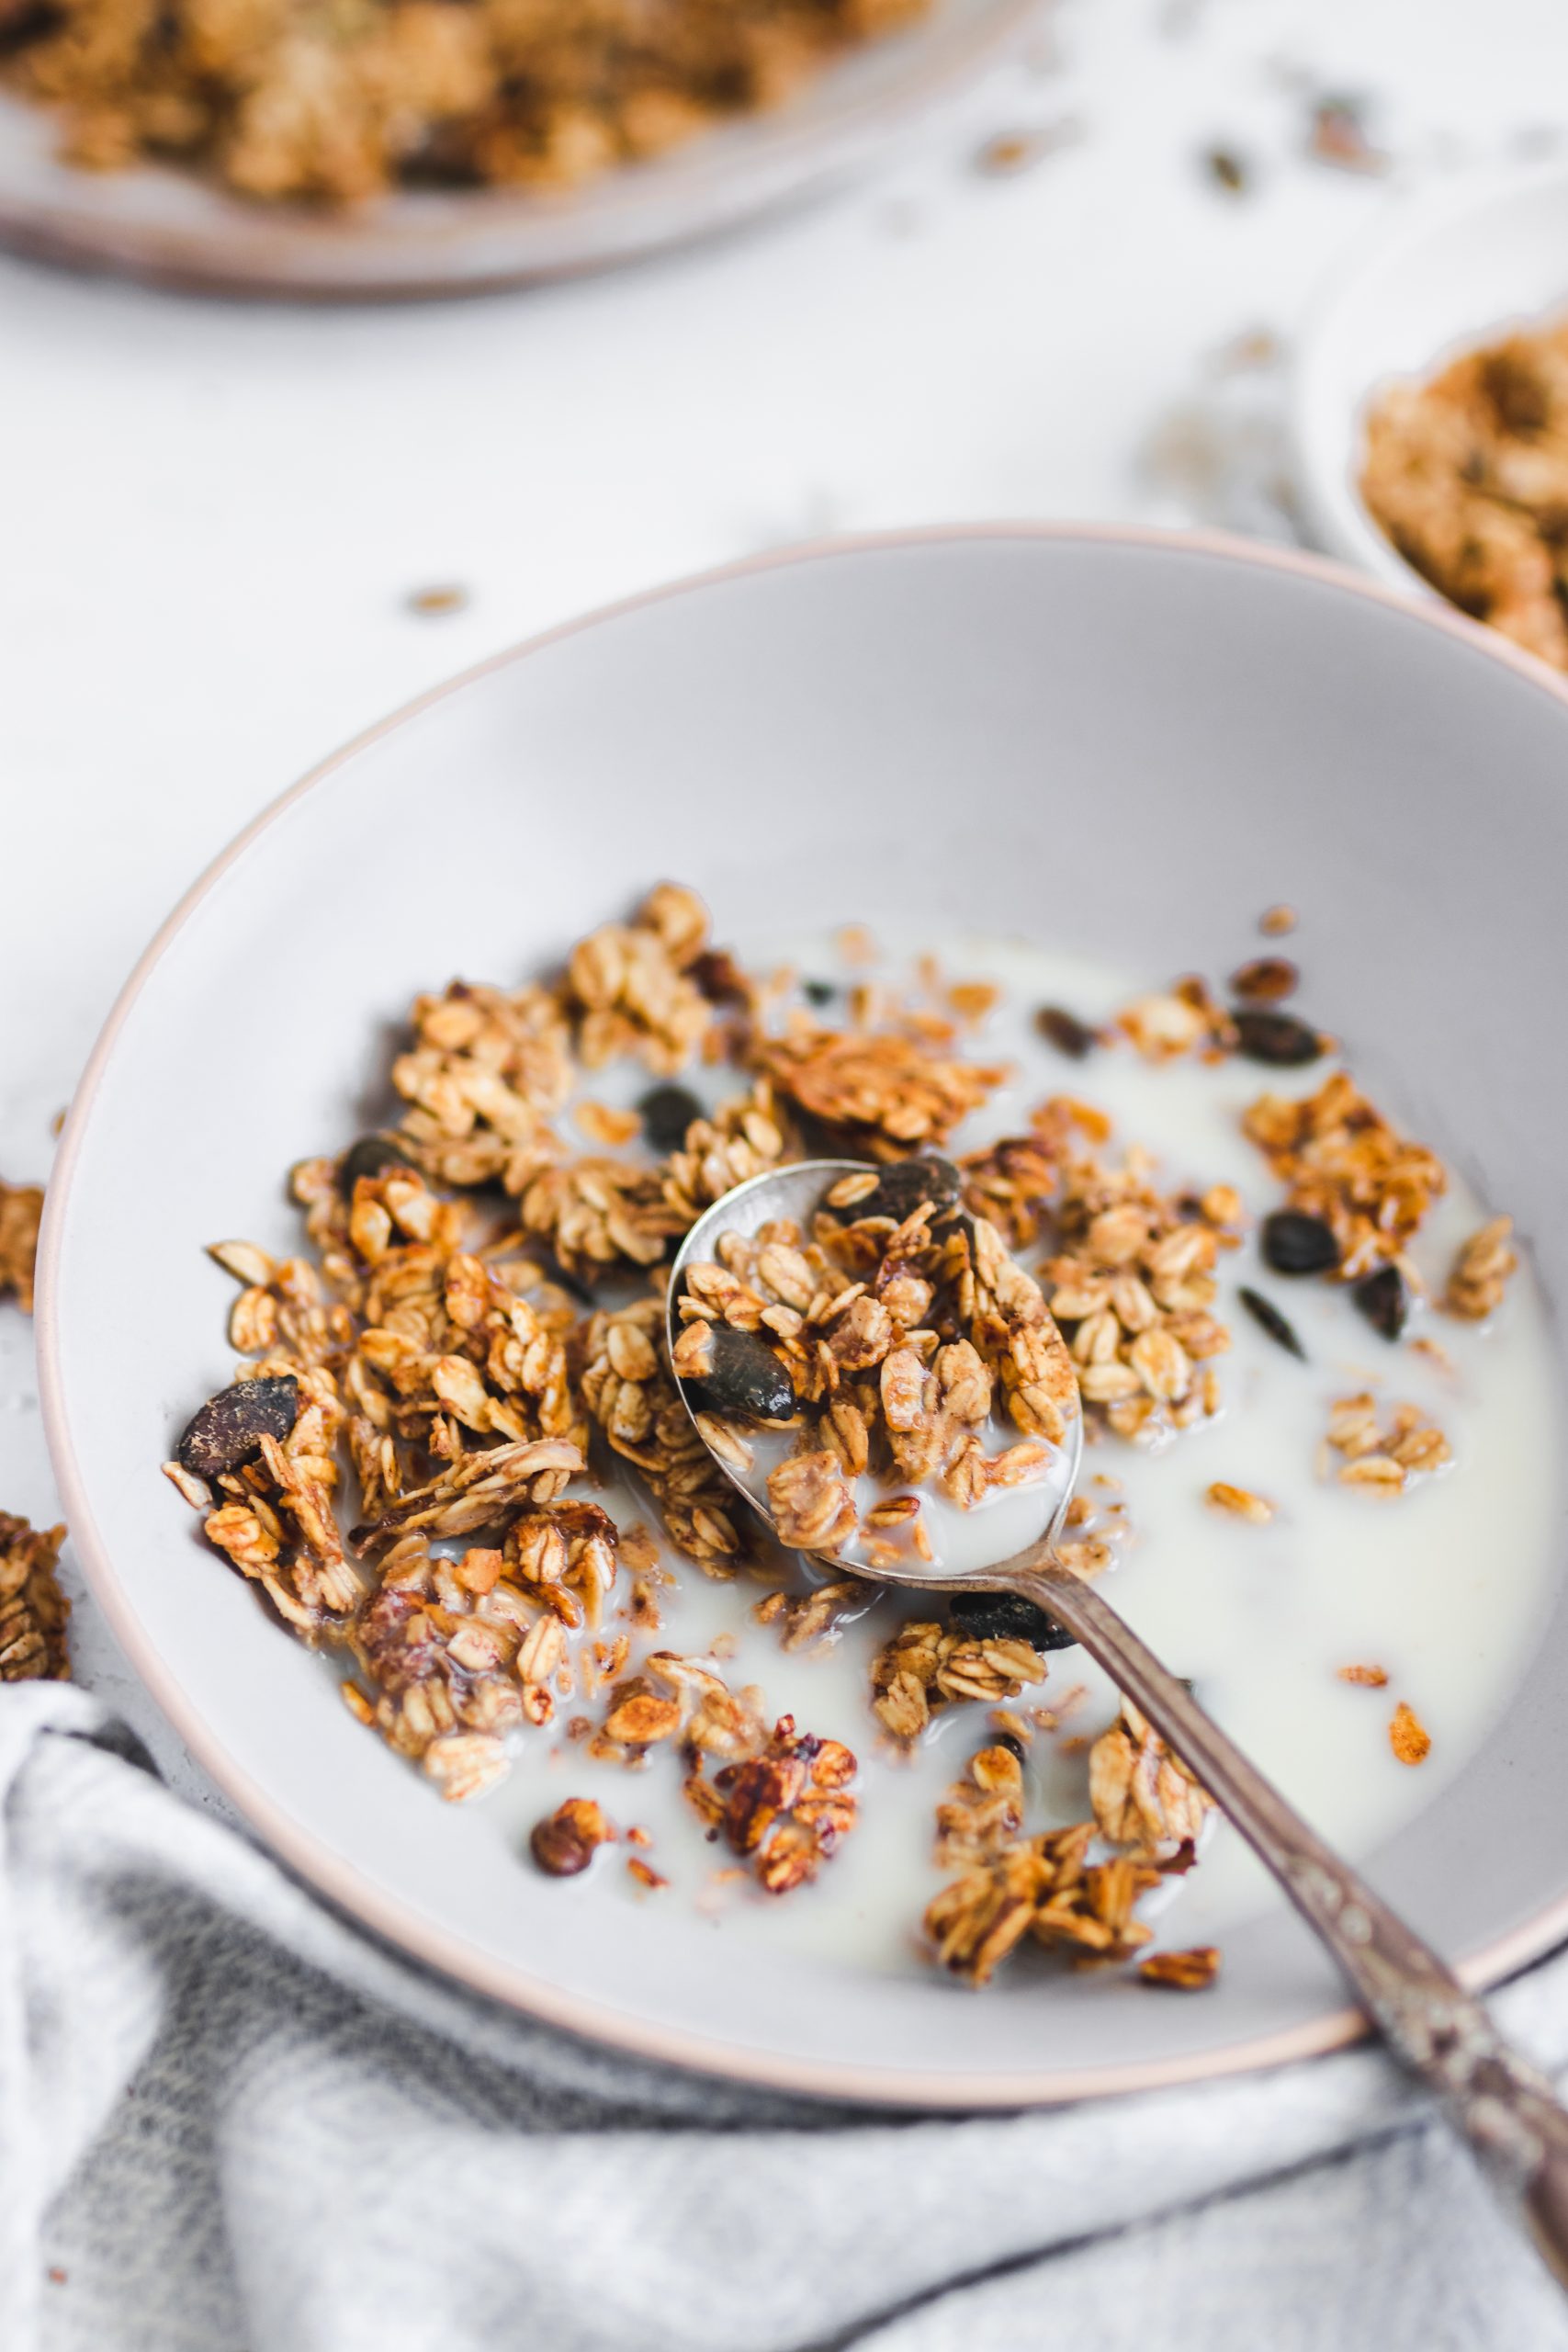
{"x": 1046, "y": 1887}
{"x": 280, "y": 99}
{"x": 21, "y": 1208}
{"x": 33, "y": 1610}
{"x": 1468, "y": 475}
{"x": 407, "y": 1464}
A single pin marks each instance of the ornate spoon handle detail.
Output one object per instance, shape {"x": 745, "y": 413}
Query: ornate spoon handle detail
{"x": 1506, "y": 2110}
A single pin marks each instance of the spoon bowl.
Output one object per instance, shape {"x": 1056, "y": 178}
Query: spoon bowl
{"x": 1011, "y": 1523}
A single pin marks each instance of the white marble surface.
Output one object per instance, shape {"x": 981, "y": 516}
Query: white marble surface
{"x": 212, "y": 516}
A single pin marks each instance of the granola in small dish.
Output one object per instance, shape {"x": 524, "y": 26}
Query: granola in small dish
{"x": 1467, "y": 474}
{"x": 456, "y": 1459}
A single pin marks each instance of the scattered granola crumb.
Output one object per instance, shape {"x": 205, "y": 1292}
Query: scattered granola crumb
{"x": 1011, "y": 151}
{"x": 1337, "y": 135}
{"x": 1370, "y": 1678}
{"x": 644, "y": 1873}
{"x": 21, "y": 1208}
{"x": 431, "y": 602}
{"x": 1227, "y": 170}
{"x": 1382, "y": 1459}
{"x": 33, "y": 1610}
{"x": 1240, "y": 1503}
{"x": 566, "y": 1841}
{"x": 1274, "y": 921}
{"x": 1482, "y": 1271}
{"x": 1181, "y": 1971}
{"x": 1408, "y": 1737}
{"x": 1142, "y": 1793}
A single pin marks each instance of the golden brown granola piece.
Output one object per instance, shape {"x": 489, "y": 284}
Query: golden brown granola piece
{"x": 1408, "y": 1736}
{"x": 1381, "y": 1459}
{"x": 33, "y": 1610}
{"x": 21, "y": 1208}
{"x": 1044, "y": 1887}
{"x": 783, "y": 1809}
{"x": 485, "y": 1489}
{"x": 488, "y": 1070}
{"x": 628, "y": 988}
{"x": 1181, "y": 1971}
{"x": 1133, "y": 1286}
{"x": 629, "y": 1390}
{"x": 926, "y": 1667}
{"x": 1482, "y": 1271}
{"x": 882, "y": 1094}
{"x": 1143, "y": 1796}
{"x": 1370, "y": 1678}
{"x": 1240, "y": 1502}
{"x": 1340, "y": 1160}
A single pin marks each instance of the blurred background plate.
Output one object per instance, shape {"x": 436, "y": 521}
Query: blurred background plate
{"x": 179, "y": 229}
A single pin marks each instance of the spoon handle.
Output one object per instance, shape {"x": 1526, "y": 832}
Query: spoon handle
{"x": 1505, "y": 2110}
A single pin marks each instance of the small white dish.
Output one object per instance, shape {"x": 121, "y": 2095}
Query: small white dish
{"x": 1450, "y": 268}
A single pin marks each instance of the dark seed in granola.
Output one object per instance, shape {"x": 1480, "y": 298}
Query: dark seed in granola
{"x": 1278, "y": 1038}
{"x": 719, "y": 976}
{"x": 905, "y": 1186}
{"x": 1008, "y": 1617}
{"x": 1384, "y": 1301}
{"x": 744, "y": 1381}
{"x": 1268, "y": 1318}
{"x": 1294, "y": 1243}
{"x": 1009, "y": 1740}
{"x": 1266, "y": 980}
{"x": 231, "y": 1425}
{"x": 666, "y": 1113}
{"x": 371, "y": 1156}
{"x": 566, "y": 1840}
{"x": 1066, "y": 1031}
{"x": 819, "y": 992}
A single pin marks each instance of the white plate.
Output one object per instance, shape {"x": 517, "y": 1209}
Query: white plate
{"x": 966, "y": 715}
{"x": 1446, "y": 270}
{"x": 176, "y": 227}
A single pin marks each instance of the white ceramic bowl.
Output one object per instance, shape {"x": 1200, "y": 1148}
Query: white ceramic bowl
{"x": 156, "y": 222}
{"x": 1448, "y": 269}
{"x": 969, "y": 717}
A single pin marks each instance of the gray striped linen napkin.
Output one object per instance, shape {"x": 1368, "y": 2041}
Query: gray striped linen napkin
{"x": 230, "y": 2122}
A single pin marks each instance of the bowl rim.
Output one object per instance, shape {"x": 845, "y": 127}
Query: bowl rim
{"x": 1326, "y": 479}
{"x": 339, "y": 1883}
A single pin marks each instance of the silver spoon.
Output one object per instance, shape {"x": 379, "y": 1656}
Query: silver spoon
{"x": 1502, "y": 2105}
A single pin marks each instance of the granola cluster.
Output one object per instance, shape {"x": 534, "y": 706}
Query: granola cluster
{"x": 886, "y": 1342}
{"x": 1343, "y": 1164}
{"x": 1468, "y": 475}
{"x": 1009, "y": 1886}
{"x": 1131, "y": 1283}
{"x": 281, "y": 101}
{"x": 33, "y": 1610}
{"x": 21, "y": 1210}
